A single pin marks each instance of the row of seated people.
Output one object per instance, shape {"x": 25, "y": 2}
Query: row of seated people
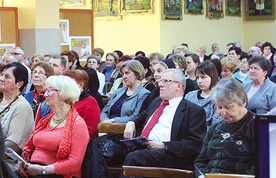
{"x": 14, "y": 90}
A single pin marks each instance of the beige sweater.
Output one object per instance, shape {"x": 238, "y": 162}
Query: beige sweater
{"x": 17, "y": 124}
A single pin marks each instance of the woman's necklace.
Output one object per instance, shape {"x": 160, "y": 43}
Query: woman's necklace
{"x": 7, "y": 108}
{"x": 56, "y": 121}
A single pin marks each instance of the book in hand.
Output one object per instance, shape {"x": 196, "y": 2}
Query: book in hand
{"x": 11, "y": 153}
{"x": 135, "y": 141}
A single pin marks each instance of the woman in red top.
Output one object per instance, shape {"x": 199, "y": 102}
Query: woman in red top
{"x": 57, "y": 145}
{"x": 87, "y": 106}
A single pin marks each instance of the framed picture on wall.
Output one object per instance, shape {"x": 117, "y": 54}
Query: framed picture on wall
{"x": 260, "y": 10}
{"x": 106, "y": 10}
{"x": 214, "y": 9}
{"x": 233, "y": 7}
{"x": 81, "y": 45}
{"x": 64, "y": 31}
{"x": 136, "y": 6}
{"x": 171, "y": 9}
{"x": 70, "y": 3}
{"x": 5, "y": 48}
{"x": 193, "y": 7}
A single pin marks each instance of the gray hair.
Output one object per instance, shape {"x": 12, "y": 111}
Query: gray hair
{"x": 157, "y": 56}
{"x": 229, "y": 90}
{"x": 162, "y": 64}
{"x": 178, "y": 76}
{"x": 68, "y": 89}
{"x": 92, "y": 56}
{"x": 255, "y": 48}
{"x": 63, "y": 60}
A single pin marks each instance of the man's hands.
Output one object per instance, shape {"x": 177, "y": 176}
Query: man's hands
{"x": 130, "y": 130}
{"x": 155, "y": 145}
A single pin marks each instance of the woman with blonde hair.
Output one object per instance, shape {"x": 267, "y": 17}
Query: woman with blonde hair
{"x": 126, "y": 102}
{"x": 58, "y": 143}
{"x": 228, "y": 67}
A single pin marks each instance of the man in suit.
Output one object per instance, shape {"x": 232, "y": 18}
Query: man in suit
{"x": 176, "y": 138}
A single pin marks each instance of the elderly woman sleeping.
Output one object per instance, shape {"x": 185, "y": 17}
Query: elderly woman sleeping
{"x": 228, "y": 144}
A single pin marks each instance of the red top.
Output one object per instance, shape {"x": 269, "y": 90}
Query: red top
{"x": 47, "y": 144}
{"x": 89, "y": 110}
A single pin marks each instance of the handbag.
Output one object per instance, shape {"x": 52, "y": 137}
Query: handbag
{"x": 112, "y": 149}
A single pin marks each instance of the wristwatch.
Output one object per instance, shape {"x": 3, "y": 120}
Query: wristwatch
{"x": 43, "y": 172}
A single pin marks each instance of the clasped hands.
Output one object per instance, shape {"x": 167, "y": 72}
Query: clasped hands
{"x": 130, "y": 132}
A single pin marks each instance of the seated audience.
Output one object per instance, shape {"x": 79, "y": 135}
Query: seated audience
{"x": 181, "y": 64}
{"x": 58, "y": 143}
{"x": 93, "y": 61}
{"x": 192, "y": 62}
{"x": 126, "y": 102}
{"x": 217, "y": 64}
{"x": 155, "y": 57}
{"x": 228, "y": 67}
{"x": 118, "y": 53}
{"x": 16, "y": 114}
{"x": 110, "y": 71}
{"x": 147, "y": 81}
{"x": 158, "y": 68}
{"x": 9, "y": 58}
{"x": 86, "y": 106}
{"x": 93, "y": 86}
{"x": 71, "y": 59}
{"x": 268, "y": 50}
{"x": 37, "y": 58}
{"x": 254, "y": 51}
{"x": 243, "y": 73}
{"x": 100, "y": 53}
{"x": 77, "y": 58}
{"x": 40, "y": 72}
{"x": 181, "y": 50}
{"x": 140, "y": 53}
{"x": 207, "y": 78}
{"x": 118, "y": 82}
{"x": 261, "y": 91}
{"x": 228, "y": 145}
{"x": 201, "y": 52}
{"x": 174, "y": 126}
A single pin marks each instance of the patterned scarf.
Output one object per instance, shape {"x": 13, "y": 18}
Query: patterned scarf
{"x": 66, "y": 138}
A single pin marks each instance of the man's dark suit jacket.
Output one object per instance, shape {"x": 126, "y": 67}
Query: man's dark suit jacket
{"x": 188, "y": 130}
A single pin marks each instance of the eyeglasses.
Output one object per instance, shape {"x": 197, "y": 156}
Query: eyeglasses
{"x": 38, "y": 72}
{"x": 16, "y": 54}
{"x": 49, "y": 90}
{"x": 165, "y": 82}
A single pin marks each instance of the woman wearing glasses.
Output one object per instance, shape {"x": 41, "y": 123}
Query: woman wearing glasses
{"x": 40, "y": 72}
{"x": 16, "y": 114}
{"x": 93, "y": 62}
{"x": 57, "y": 145}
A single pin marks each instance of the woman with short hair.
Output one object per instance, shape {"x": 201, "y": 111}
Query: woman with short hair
{"x": 228, "y": 145}
{"x": 40, "y": 72}
{"x": 126, "y": 102}
{"x": 94, "y": 62}
{"x": 261, "y": 91}
{"x": 57, "y": 145}
{"x": 16, "y": 114}
{"x": 86, "y": 106}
